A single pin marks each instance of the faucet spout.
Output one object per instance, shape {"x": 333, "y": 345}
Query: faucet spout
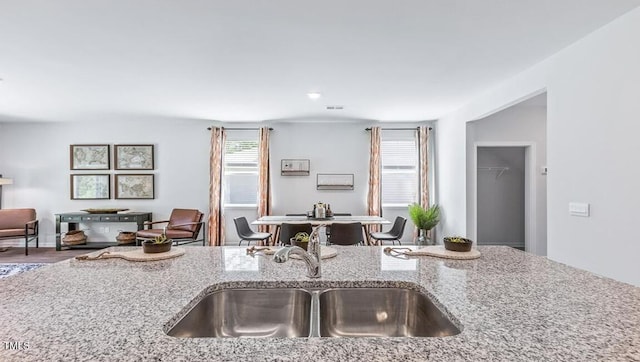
{"x": 311, "y": 256}
{"x": 313, "y": 264}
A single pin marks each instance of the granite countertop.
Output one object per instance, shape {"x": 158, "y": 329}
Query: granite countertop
{"x": 511, "y": 306}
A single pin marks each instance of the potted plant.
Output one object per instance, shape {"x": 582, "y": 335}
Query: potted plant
{"x": 424, "y": 219}
{"x": 457, "y": 243}
{"x": 301, "y": 239}
{"x": 159, "y": 244}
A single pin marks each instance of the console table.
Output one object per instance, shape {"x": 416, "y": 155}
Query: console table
{"x": 73, "y": 219}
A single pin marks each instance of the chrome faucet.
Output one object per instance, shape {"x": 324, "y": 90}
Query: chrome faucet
{"x": 311, "y": 257}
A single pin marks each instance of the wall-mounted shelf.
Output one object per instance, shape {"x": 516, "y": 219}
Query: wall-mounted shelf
{"x": 334, "y": 181}
{"x": 291, "y": 167}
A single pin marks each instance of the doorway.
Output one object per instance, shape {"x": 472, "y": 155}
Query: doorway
{"x": 501, "y": 195}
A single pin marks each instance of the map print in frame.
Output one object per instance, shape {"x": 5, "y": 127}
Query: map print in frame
{"x": 130, "y": 186}
{"x": 90, "y": 187}
{"x": 89, "y": 157}
{"x": 133, "y": 157}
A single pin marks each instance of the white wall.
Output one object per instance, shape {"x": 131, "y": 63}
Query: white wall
{"x": 592, "y": 147}
{"x": 450, "y": 176}
{"x": 331, "y": 148}
{"x": 36, "y": 156}
{"x": 525, "y": 124}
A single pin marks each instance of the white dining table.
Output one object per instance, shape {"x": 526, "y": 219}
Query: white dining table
{"x": 278, "y": 220}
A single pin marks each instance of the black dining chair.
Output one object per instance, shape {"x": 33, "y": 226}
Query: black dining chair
{"x": 327, "y": 229}
{"x": 245, "y": 232}
{"x": 287, "y": 231}
{"x": 346, "y": 234}
{"x": 393, "y": 235}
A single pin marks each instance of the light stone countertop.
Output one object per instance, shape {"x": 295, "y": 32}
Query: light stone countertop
{"x": 511, "y": 305}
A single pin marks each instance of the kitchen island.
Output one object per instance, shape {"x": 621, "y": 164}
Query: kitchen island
{"x": 510, "y": 306}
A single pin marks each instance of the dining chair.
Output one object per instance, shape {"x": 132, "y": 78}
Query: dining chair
{"x": 287, "y": 231}
{"x": 245, "y": 232}
{"x": 393, "y": 235}
{"x": 346, "y": 234}
{"x": 327, "y": 229}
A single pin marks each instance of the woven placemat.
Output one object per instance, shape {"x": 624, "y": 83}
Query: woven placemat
{"x": 133, "y": 255}
{"x": 440, "y": 252}
{"x": 435, "y": 250}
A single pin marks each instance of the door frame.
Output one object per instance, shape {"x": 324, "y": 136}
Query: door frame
{"x": 530, "y": 189}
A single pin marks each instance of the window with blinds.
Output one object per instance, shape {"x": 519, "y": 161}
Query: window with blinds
{"x": 240, "y": 183}
{"x": 399, "y": 158}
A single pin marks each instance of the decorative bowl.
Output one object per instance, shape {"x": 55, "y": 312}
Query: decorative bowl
{"x": 104, "y": 211}
{"x": 302, "y": 244}
{"x": 149, "y": 246}
{"x": 462, "y": 244}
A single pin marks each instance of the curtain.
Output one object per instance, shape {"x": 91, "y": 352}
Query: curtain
{"x": 216, "y": 162}
{"x": 264, "y": 184}
{"x": 423, "y": 170}
{"x": 374, "y": 204}
{"x": 423, "y": 164}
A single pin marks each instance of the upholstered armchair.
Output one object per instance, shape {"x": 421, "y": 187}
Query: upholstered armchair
{"x": 183, "y": 227}
{"x": 18, "y": 224}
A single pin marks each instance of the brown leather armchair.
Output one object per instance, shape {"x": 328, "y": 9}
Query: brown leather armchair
{"x": 183, "y": 227}
{"x": 19, "y": 223}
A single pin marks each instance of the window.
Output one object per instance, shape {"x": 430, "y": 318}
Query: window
{"x": 399, "y": 158}
{"x": 240, "y": 183}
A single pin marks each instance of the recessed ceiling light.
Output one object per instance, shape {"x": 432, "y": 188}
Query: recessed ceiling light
{"x": 314, "y": 95}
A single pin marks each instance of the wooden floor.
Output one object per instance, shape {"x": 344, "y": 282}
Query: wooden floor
{"x": 15, "y": 254}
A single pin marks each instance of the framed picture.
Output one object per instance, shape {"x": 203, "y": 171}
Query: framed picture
{"x": 133, "y": 157}
{"x": 334, "y": 181}
{"x": 89, "y": 157}
{"x": 90, "y": 186}
{"x": 130, "y": 186}
{"x": 291, "y": 167}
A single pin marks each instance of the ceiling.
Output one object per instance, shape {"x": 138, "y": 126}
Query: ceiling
{"x": 240, "y": 60}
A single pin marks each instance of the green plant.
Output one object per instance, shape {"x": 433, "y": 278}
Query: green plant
{"x": 301, "y": 236}
{"x": 456, "y": 239}
{"x": 160, "y": 239}
{"x": 424, "y": 219}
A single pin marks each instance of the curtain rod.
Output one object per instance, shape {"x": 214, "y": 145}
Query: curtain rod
{"x": 396, "y": 129}
{"x": 240, "y": 129}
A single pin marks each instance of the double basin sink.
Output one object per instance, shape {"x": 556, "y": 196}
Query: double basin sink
{"x": 331, "y": 312}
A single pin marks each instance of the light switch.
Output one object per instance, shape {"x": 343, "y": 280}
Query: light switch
{"x": 543, "y": 170}
{"x": 579, "y": 209}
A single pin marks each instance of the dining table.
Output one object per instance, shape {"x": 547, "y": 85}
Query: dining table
{"x": 278, "y": 220}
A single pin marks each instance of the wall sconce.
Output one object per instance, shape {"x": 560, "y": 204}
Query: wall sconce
{"x": 4, "y": 181}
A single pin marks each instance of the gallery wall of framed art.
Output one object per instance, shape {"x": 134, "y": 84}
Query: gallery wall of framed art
{"x": 97, "y": 157}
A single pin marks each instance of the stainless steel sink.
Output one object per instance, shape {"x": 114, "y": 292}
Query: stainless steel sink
{"x": 338, "y": 312}
{"x": 381, "y": 312}
{"x": 276, "y": 312}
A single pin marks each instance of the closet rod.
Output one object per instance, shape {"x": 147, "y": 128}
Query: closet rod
{"x": 493, "y": 168}
{"x": 502, "y": 169}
